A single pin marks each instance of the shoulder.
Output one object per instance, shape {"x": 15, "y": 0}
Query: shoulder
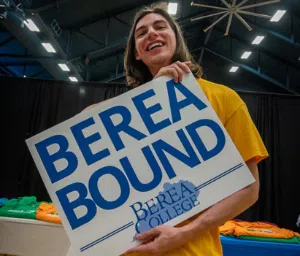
{"x": 223, "y": 99}
{"x": 217, "y": 90}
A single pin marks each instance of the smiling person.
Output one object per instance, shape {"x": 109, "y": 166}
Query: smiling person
{"x": 156, "y": 47}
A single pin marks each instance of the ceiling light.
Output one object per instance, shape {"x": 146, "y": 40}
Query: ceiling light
{"x": 73, "y": 78}
{"x": 172, "y": 8}
{"x": 31, "y": 26}
{"x": 233, "y": 69}
{"x": 258, "y": 40}
{"x": 64, "y": 67}
{"x": 278, "y": 15}
{"x": 246, "y": 55}
{"x": 48, "y": 47}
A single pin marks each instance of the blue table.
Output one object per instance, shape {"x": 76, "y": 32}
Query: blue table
{"x": 239, "y": 247}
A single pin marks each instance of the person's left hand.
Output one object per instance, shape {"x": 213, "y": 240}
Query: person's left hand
{"x": 162, "y": 239}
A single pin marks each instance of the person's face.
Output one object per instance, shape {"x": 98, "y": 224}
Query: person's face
{"x": 155, "y": 41}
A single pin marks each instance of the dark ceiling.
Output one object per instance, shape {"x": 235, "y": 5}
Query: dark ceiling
{"x": 90, "y": 37}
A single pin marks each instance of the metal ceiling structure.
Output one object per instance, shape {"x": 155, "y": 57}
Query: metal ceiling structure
{"x": 90, "y": 38}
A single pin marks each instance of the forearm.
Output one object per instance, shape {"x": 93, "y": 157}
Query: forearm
{"x": 226, "y": 209}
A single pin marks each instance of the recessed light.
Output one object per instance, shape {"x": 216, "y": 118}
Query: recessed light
{"x": 64, "y": 67}
{"x": 48, "y": 47}
{"x": 172, "y": 8}
{"x": 233, "y": 69}
{"x": 278, "y": 15}
{"x": 73, "y": 78}
{"x": 31, "y": 25}
{"x": 258, "y": 40}
{"x": 246, "y": 55}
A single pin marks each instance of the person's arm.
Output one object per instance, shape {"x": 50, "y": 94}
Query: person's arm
{"x": 226, "y": 209}
{"x": 169, "y": 238}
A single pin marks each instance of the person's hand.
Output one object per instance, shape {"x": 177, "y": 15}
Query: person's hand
{"x": 159, "y": 240}
{"x": 176, "y": 70}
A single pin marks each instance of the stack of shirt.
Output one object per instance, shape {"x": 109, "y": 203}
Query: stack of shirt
{"x": 260, "y": 231}
{"x": 28, "y": 207}
{"x": 22, "y": 207}
{"x": 47, "y": 212}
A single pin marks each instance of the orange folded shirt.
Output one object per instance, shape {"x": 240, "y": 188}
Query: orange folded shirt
{"x": 47, "y": 212}
{"x": 258, "y": 229}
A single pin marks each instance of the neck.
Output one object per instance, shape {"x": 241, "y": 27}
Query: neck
{"x": 154, "y": 70}
{"x": 157, "y": 67}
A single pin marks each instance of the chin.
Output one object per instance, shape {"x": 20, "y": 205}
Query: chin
{"x": 160, "y": 60}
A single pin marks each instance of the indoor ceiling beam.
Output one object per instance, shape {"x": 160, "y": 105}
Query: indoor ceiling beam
{"x": 32, "y": 43}
{"x": 102, "y": 17}
{"x": 6, "y": 41}
{"x": 30, "y": 57}
{"x": 261, "y": 50}
{"x": 254, "y": 71}
{"x": 290, "y": 40}
{"x": 18, "y": 64}
{"x": 113, "y": 78}
{"x": 105, "y": 51}
{"x": 8, "y": 71}
{"x": 36, "y": 74}
{"x": 89, "y": 37}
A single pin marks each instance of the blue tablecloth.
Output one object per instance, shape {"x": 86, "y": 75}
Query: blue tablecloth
{"x": 239, "y": 247}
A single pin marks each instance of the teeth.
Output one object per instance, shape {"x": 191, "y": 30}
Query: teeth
{"x": 154, "y": 45}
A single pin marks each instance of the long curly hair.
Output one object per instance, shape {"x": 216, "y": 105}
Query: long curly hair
{"x": 137, "y": 72}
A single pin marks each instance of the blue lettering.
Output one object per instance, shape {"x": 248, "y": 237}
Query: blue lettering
{"x": 192, "y": 130}
{"x": 143, "y": 215}
{"x": 114, "y": 130}
{"x": 152, "y": 223}
{"x": 184, "y": 188}
{"x": 84, "y": 142}
{"x": 135, "y": 182}
{"x": 152, "y": 206}
{"x": 175, "y": 105}
{"x": 177, "y": 209}
{"x": 194, "y": 200}
{"x": 146, "y": 113}
{"x": 161, "y": 147}
{"x": 188, "y": 204}
{"x": 173, "y": 195}
{"x": 48, "y": 160}
{"x": 96, "y": 195}
{"x": 80, "y": 201}
{"x": 162, "y": 200}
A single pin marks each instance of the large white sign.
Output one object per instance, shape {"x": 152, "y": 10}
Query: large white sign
{"x": 155, "y": 155}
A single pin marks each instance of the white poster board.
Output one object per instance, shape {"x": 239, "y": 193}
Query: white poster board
{"x": 155, "y": 155}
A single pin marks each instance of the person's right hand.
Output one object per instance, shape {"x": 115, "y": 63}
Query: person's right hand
{"x": 176, "y": 70}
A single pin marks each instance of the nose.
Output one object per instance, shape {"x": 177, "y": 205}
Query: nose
{"x": 152, "y": 33}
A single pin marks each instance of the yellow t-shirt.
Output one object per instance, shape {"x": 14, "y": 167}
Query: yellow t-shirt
{"x": 234, "y": 115}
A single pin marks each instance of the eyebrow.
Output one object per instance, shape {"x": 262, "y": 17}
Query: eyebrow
{"x": 154, "y": 23}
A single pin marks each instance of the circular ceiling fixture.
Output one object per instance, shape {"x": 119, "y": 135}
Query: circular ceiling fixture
{"x": 231, "y": 9}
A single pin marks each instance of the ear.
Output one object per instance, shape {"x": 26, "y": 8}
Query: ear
{"x": 137, "y": 56}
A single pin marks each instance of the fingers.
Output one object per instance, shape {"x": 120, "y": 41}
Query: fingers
{"x": 176, "y": 70}
{"x": 148, "y": 234}
{"x": 146, "y": 246}
{"x": 184, "y": 66}
{"x": 179, "y": 73}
